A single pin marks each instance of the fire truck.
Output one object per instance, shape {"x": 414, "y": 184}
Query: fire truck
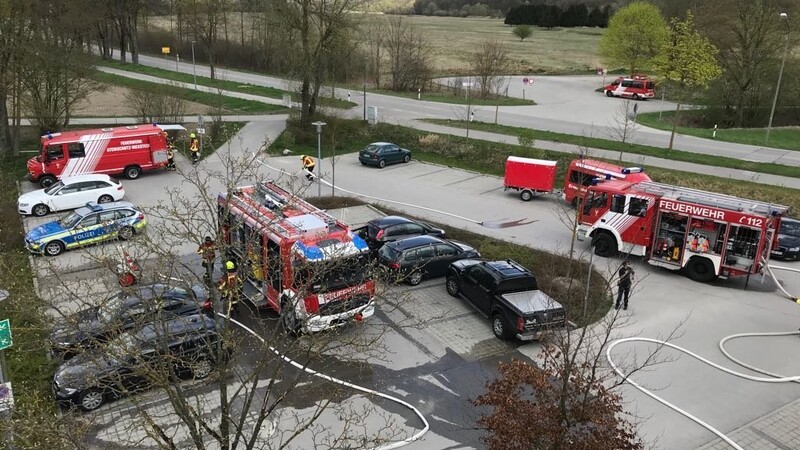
{"x": 635, "y": 87}
{"x": 705, "y": 234}
{"x": 296, "y": 259}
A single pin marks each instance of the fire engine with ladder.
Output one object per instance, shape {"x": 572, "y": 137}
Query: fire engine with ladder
{"x": 296, "y": 259}
{"x": 708, "y": 235}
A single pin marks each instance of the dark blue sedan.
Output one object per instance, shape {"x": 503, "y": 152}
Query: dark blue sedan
{"x": 382, "y": 153}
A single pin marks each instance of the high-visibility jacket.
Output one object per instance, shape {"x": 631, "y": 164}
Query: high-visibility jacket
{"x": 228, "y": 285}
{"x": 208, "y": 250}
{"x": 308, "y": 162}
{"x": 194, "y": 145}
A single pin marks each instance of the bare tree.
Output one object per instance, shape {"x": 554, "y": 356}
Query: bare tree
{"x": 14, "y": 35}
{"x": 156, "y": 105}
{"x": 489, "y": 64}
{"x": 204, "y": 18}
{"x": 409, "y": 55}
{"x": 624, "y": 122}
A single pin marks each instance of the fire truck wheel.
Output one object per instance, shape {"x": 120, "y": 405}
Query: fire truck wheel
{"x": 47, "y": 181}
{"x": 289, "y": 319}
{"x": 526, "y": 195}
{"x": 700, "y": 269}
{"x": 635, "y": 96}
{"x": 132, "y": 172}
{"x": 609, "y": 94}
{"x": 604, "y": 245}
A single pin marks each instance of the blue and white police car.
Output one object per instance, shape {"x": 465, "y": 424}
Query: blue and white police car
{"x": 90, "y": 224}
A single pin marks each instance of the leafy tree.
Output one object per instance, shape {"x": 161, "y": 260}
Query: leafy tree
{"x": 635, "y": 35}
{"x": 522, "y": 32}
{"x": 688, "y": 60}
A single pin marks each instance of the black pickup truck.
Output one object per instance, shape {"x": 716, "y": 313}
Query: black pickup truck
{"x": 508, "y": 294}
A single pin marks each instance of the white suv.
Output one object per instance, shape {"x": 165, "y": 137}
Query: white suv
{"x": 71, "y": 193}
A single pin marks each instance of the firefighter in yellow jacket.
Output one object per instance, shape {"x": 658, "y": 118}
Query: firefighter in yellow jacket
{"x": 308, "y": 165}
{"x": 194, "y": 147}
{"x": 229, "y": 288}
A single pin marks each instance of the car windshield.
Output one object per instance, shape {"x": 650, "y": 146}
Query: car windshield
{"x": 70, "y": 220}
{"x": 112, "y": 307}
{"x": 53, "y": 188}
{"x": 325, "y": 276}
{"x": 372, "y": 148}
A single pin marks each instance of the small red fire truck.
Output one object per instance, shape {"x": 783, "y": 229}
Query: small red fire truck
{"x": 636, "y": 87}
{"x": 296, "y": 259}
{"x": 706, "y": 234}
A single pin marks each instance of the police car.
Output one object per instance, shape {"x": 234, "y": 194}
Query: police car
{"x": 90, "y": 224}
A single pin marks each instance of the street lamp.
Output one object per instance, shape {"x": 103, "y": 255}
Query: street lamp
{"x": 365, "y": 98}
{"x": 194, "y": 71}
{"x": 319, "y": 125}
{"x": 784, "y": 17}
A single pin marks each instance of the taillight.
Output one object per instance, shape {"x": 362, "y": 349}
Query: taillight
{"x": 207, "y": 305}
{"x": 394, "y": 265}
{"x": 520, "y": 324}
{"x": 379, "y": 235}
{"x": 141, "y": 216}
{"x": 119, "y": 187}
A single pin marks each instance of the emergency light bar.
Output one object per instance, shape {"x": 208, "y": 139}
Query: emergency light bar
{"x": 630, "y": 170}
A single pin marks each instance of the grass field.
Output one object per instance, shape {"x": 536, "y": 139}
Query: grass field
{"x": 786, "y": 138}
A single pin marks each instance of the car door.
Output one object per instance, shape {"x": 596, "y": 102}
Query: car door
{"x": 87, "y": 230}
{"x": 426, "y": 257}
{"x": 445, "y": 254}
{"x": 397, "y": 155}
{"x": 394, "y": 232}
{"x": 108, "y": 225}
{"x": 412, "y": 229}
{"x": 469, "y": 282}
{"x": 67, "y": 197}
{"x": 88, "y": 191}
{"x": 478, "y": 288}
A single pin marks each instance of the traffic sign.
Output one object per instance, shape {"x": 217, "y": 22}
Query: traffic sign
{"x": 201, "y": 131}
{"x": 6, "y": 397}
{"x": 3, "y": 295}
{"x": 5, "y": 335}
{"x": 200, "y": 121}
{"x": 525, "y": 80}
{"x": 165, "y": 50}
{"x": 528, "y": 81}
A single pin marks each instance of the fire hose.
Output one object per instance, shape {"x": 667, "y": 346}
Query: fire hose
{"x": 775, "y": 278}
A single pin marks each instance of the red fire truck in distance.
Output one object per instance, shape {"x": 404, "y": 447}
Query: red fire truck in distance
{"x": 296, "y": 259}
{"x": 708, "y": 235}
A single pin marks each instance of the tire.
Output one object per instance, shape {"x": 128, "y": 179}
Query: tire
{"x": 363, "y": 163}
{"x": 202, "y": 368}
{"x": 604, "y": 245}
{"x": 382, "y": 163}
{"x": 635, "y": 97}
{"x": 40, "y": 210}
{"x": 414, "y": 278}
{"x": 105, "y": 199}
{"x": 526, "y": 195}
{"x": 132, "y": 172}
{"x": 53, "y": 248}
{"x": 452, "y": 285}
{"x": 499, "y": 327}
{"x": 47, "y": 181}
{"x": 91, "y": 399}
{"x": 125, "y": 233}
{"x": 574, "y": 202}
{"x": 609, "y": 94}
{"x": 289, "y": 319}
{"x": 407, "y": 158}
{"x": 701, "y": 270}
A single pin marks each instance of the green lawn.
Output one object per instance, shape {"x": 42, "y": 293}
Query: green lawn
{"x": 447, "y": 97}
{"x": 785, "y": 138}
{"x": 608, "y": 144}
{"x": 219, "y": 83}
{"x": 230, "y": 104}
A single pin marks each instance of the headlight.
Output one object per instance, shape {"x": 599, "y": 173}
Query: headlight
{"x": 794, "y": 249}
{"x": 67, "y": 391}
{"x": 23, "y": 204}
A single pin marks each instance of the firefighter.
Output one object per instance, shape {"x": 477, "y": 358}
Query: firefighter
{"x": 229, "y": 287}
{"x": 308, "y": 166}
{"x": 194, "y": 148}
{"x": 208, "y": 250}
{"x": 170, "y": 157}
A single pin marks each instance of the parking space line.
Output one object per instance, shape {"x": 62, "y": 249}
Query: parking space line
{"x": 491, "y": 190}
{"x": 461, "y": 181}
{"x": 429, "y": 173}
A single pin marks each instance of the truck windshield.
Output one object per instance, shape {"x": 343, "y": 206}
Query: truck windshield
{"x": 326, "y": 276}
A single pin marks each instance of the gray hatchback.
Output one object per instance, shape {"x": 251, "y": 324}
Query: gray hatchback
{"x": 382, "y": 153}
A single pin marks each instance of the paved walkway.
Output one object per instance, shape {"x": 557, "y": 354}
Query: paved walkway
{"x": 779, "y": 430}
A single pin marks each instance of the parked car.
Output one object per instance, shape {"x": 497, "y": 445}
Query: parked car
{"x": 417, "y": 258}
{"x": 507, "y": 293}
{"x": 127, "y": 363}
{"x": 123, "y": 311}
{"x": 788, "y": 240}
{"x": 71, "y": 193}
{"x": 382, "y": 153}
{"x": 88, "y": 225}
{"x": 392, "y": 228}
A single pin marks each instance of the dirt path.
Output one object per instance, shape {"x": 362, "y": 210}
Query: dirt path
{"x": 110, "y": 102}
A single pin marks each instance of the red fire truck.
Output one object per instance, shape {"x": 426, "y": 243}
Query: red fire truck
{"x": 636, "y": 87}
{"x": 581, "y": 172}
{"x": 704, "y": 233}
{"x": 296, "y": 259}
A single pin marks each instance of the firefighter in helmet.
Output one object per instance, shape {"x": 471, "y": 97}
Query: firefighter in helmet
{"x": 170, "y": 152}
{"x": 308, "y": 165}
{"x": 194, "y": 147}
{"x": 229, "y": 287}
{"x": 207, "y": 249}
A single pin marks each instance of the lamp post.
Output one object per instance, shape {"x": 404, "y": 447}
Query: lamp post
{"x": 319, "y": 125}
{"x": 784, "y": 17}
{"x": 194, "y": 70}
{"x": 365, "y": 98}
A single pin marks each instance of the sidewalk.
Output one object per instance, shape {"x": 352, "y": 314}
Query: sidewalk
{"x": 778, "y": 430}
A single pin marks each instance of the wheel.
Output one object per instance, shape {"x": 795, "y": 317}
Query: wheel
{"x": 363, "y": 163}
{"x": 40, "y": 210}
{"x": 452, "y": 286}
{"x": 47, "y": 181}
{"x": 289, "y": 319}
{"x": 604, "y": 245}
{"x": 700, "y": 269}
{"x": 635, "y": 96}
{"x": 53, "y": 248}
{"x": 609, "y": 94}
{"x": 526, "y": 195}
{"x": 201, "y": 368}
{"x": 499, "y": 327}
{"x": 382, "y": 163}
{"x": 105, "y": 199}
{"x": 407, "y": 158}
{"x": 415, "y": 278}
{"x": 91, "y": 399}
{"x": 125, "y": 233}
{"x": 132, "y": 172}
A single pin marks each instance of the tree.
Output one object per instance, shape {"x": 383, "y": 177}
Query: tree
{"x": 634, "y": 37}
{"x": 688, "y": 60}
{"x": 522, "y": 32}
{"x": 409, "y": 55}
{"x": 489, "y": 64}
{"x": 204, "y": 18}
{"x": 14, "y": 34}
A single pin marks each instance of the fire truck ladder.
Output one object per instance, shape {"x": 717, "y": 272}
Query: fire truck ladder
{"x": 712, "y": 199}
